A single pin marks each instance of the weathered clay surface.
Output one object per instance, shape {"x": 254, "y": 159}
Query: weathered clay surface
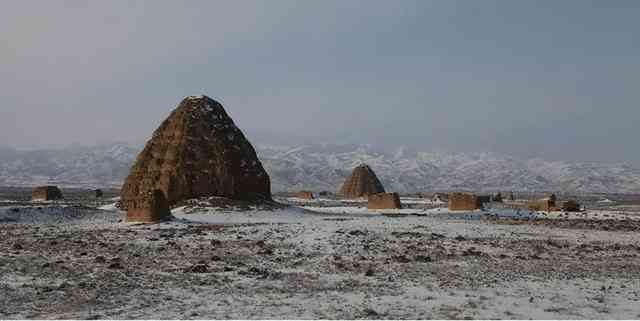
{"x": 46, "y": 193}
{"x": 546, "y": 204}
{"x": 464, "y": 202}
{"x": 382, "y": 201}
{"x": 362, "y": 182}
{"x": 149, "y": 208}
{"x": 198, "y": 151}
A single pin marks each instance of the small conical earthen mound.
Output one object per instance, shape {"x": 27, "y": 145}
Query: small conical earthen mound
{"x": 362, "y": 182}
{"x": 198, "y": 151}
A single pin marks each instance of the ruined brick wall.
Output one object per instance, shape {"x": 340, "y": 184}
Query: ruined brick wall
{"x": 304, "y": 195}
{"x": 149, "y": 208}
{"x": 545, "y": 205}
{"x": 384, "y": 201}
{"x": 464, "y": 202}
{"x": 46, "y": 193}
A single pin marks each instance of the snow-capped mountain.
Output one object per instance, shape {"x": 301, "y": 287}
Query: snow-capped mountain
{"x": 320, "y": 167}
{"x": 76, "y": 166}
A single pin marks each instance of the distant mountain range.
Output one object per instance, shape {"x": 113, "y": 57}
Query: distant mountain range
{"x": 320, "y": 167}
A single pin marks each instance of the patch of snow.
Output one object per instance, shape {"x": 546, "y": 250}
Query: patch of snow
{"x": 109, "y": 207}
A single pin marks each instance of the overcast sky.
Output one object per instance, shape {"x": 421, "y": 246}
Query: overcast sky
{"x": 550, "y": 79}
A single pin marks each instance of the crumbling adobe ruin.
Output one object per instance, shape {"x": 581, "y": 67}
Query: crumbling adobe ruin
{"x": 464, "y": 202}
{"x": 570, "y": 206}
{"x": 198, "y": 151}
{"x": 362, "y": 182}
{"x": 46, "y": 193}
{"x": 382, "y": 201}
{"x": 546, "y": 204}
{"x": 151, "y": 207}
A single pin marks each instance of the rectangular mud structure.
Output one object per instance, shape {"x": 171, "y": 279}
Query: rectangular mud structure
{"x": 46, "y": 193}
{"x": 383, "y": 201}
{"x": 545, "y": 205}
{"x": 304, "y": 195}
{"x": 464, "y": 202}
{"x": 570, "y": 206}
{"x": 150, "y": 208}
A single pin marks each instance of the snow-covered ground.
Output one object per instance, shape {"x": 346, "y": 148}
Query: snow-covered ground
{"x": 316, "y": 262}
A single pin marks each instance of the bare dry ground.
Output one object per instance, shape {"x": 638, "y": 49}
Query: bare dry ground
{"x": 291, "y": 263}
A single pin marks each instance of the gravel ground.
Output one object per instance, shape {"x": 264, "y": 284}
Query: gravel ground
{"x": 80, "y": 262}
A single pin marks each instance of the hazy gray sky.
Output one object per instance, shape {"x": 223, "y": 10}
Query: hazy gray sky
{"x": 552, "y": 79}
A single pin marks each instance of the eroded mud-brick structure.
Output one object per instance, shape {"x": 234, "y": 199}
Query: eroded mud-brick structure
{"x": 151, "y": 207}
{"x": 198, "y": 151}
{"x": 382, "y": 201}
{"x": 362, "y": 182}
{"x": 307, "y": 195}
{"x": 464, "y": 202}
{"x": 546, "y": 204}
{"x": 46, "y": 193}
{"x": 570, "y": 206}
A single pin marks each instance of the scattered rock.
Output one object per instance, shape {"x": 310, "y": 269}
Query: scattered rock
{"x": 401, "y": 259}
{"x": 471, "y": 252}
{"x": 407, "y": 234}
{"x": 423, "y": 258}
{"x": 436, "y": 236}
{"x": 197, "y": 268}
{"x": 357, "y": 233}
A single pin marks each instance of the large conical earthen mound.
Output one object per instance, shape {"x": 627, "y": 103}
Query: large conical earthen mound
{"x": 198, "y": 151}
{"x": 362, "y": 182}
